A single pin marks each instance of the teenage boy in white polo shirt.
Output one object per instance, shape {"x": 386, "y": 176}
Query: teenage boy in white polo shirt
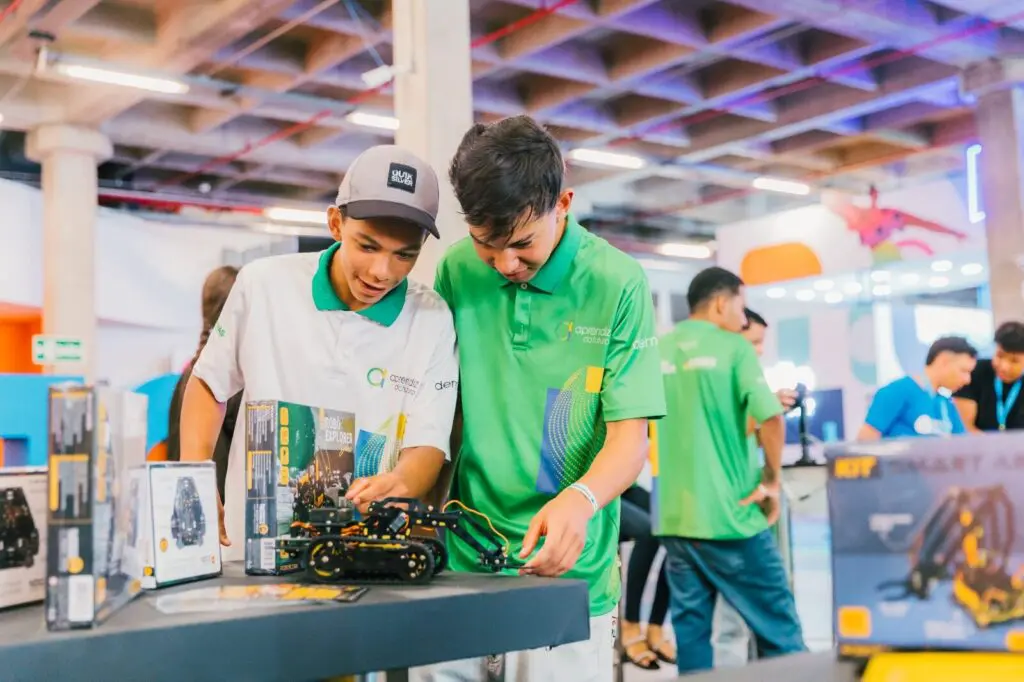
{"x": 345, "y": 330}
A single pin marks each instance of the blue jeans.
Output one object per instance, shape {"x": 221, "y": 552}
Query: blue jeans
{"x": 750, "y": 575}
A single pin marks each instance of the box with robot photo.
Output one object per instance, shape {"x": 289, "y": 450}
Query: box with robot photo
{"x": 298, "y": 458}
{"x": 97, "y": 435}
{"x": 928, "y": 543}
{"x": 174, "y": 535}
{"x": 22, "y": 535}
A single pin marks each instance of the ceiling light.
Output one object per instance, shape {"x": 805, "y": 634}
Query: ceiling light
{"x": 824, "y": 285}
{"x": 881, "y": 290}
{"x": 784, "y": 186}
{"x": 684, "y": 250}
{"x": 361, "y": 118}
{"x": 376, "y": 77}
{"x": 880, "y": 276}
{"x": 775, "y": 292}
{"x": 130, "y": 80}
{"x": 833, "y": 297}
{"x": 655, "y": 264}
{"x": 804, "y": 295}
{"x": 910, "y": 278}
{"x": 852, "y": 288}
{"x": 294, "y": 215}
{"x": 968, "y": 269}
{"x": 942, "y": 266}
{"x": 602, "y": 158}
{"x": 938, "y": 282}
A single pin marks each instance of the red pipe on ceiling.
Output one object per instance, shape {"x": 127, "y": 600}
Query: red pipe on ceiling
{"x": 296, "y": 128}
{"x": 699, "y": 117}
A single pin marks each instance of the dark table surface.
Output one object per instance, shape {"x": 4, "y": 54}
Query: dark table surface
{"x": 809, "y": 667}
{"x": 456, "y": 616}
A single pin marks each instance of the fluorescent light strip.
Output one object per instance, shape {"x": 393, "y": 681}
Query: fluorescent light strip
{"x": 362, "y": 118}
{"x": 974, "y": 212}
{"x": 295, "y": 215}
{"x": 602, "y": 158}
{"x": 684, "y": 250}
{"x": 783, "y": 186}
{"x": 130, "y": 80}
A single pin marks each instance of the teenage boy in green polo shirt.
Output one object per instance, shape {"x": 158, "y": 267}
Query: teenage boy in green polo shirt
{"x": 714, "y": 502}
{"x": 559, "y": 374}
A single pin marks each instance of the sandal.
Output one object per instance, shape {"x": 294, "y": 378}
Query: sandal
{"x": 663, "y": 655}
{"x": 645, "y": 660}
{"x": 667, "y": 655}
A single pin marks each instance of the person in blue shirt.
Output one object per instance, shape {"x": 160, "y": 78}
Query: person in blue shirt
{"x": 922, "y": 405}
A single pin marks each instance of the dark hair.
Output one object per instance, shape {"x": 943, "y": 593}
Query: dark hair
{"x": 753, "y": 318}
{"x": 957, "y": 345}
{"x": 507, "y": 173}
{"x": 1010, "y": 337}
{"x": 709, "y": 283}
{"x": 216, "y": 288}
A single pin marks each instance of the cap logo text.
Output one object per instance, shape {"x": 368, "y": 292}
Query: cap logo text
{"x": 402, "y": 177}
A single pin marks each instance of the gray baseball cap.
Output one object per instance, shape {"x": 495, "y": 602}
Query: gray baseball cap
{"x": 389, "y": 182}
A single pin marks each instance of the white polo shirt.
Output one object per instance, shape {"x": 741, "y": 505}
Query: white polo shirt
{"x": 285, "y": 335}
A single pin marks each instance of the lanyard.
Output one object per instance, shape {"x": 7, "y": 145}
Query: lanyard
{"x": 1005, "y": 401}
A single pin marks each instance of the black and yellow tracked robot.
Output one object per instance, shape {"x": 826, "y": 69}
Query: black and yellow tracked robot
{"x": 390, "y": 543}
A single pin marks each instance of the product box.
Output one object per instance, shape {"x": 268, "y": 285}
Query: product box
{"x": 928, "y": 543}
{"x": 297, "y": 458}
{"x": 97, "y": 435}
{"x": 22, "y": 535}
{"x": 173, "y": 532}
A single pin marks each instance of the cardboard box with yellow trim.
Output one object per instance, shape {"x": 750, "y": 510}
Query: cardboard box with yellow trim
{"x": 22, "y": 535}
{"x": 297, "y": 457}
{"x": 928, "y": 543}
{"x": 97, "y": 434}
{"x": 173, "y": 534}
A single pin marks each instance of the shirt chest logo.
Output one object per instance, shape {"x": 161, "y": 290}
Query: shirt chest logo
{"x": 569, "y": 330}
{"x": 379, "y": 377}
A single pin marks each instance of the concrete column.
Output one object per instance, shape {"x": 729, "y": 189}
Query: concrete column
{"x": 69, "y": 156}
{"x": 999, "y": 112}
{"x": 433, "y": 101}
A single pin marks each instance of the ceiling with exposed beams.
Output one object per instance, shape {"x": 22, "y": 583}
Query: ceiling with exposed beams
{"x": 708, "y": 94}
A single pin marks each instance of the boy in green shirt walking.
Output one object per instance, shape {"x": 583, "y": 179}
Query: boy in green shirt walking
{"x": 713, "y": 502}
{"x": 558, "y": 378}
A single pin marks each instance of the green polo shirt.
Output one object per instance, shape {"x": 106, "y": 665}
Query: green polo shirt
{"x": 706, "y": 462}
{"x": 543, "y": 366}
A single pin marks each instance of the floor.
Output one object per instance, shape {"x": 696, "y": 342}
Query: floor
{"x": 812, "y": 574}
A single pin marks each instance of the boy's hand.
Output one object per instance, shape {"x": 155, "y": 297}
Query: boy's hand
{"x": 369, "y": 489}
{"x": 220, "y": 522}
{"x": 563, "y": 523}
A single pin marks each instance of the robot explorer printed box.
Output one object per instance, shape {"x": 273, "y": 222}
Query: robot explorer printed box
{"x": 173, "y": 531}
{"x": 297, "y": 458}
{"x": 22, "y": 535}
{"x": 928, "y": 543}
{"x": 97, "y": 435}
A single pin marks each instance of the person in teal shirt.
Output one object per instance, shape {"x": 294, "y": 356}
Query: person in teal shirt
{"x": 714, "y": 501}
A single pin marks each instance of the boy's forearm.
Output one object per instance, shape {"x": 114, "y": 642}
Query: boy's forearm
{"x": 772, "y": 436}
{"x": 618, "y": 464}
{"x": 200, "y": 421}
{"x": 419, "y": 468}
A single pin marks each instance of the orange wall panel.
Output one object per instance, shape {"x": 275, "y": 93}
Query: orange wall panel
{"x": 17, "y": 326}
